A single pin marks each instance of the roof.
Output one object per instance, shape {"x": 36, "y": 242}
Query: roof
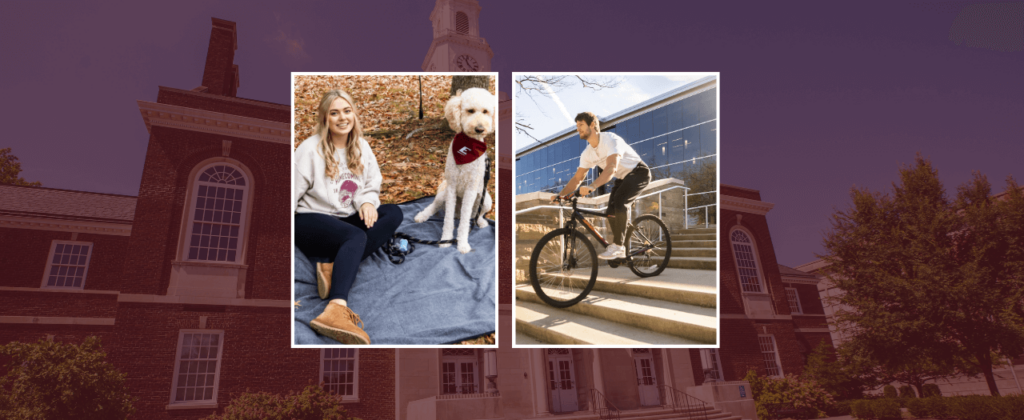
{"x": 66, "y": 204}
{"x": 604, "y": 119}
{"x": 792, "y": 272}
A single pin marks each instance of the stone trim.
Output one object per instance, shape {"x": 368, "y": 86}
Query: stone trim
{"x": 199, "y": 300}
{"x": 183, "y": 118}
{"x": 39, "y": 223}
{"x": 744, "y": 316}
{"x": 745, "y": 205}
{"x": 811, "y": 330}
{"x": 55, "y": 320}
{"x": 57, "y": 290}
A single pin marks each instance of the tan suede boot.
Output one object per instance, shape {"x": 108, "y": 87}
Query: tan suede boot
{"x": 339, "y": 322}
{"x": 323, "y": 278}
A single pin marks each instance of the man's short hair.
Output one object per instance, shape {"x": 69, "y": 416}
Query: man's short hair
{"x": 588, "y": 117}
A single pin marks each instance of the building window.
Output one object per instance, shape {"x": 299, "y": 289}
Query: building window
{"x": 712, "y": 369}
{"x": 459, "y": 371}
{"x": 197, "y": 366}
{"x": 746, "y": 262}
{"x": 769, "y": 352}
{"x": 339, "y": 372}
{"x": 794, "y": 301}
{"x": 461, "y": 23}
{"x": 217, "y": 215}
{"x": 68, "y": 264}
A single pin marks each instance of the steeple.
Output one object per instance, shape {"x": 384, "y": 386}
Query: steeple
{"x": 457, "y": 44}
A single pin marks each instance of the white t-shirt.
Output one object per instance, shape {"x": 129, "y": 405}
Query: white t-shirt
{"x": 610, "y": 144}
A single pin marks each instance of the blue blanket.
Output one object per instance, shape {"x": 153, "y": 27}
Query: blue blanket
{"x": 437, "y": 296}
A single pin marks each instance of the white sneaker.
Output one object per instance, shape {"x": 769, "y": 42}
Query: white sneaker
{"x": 613, "y": 251}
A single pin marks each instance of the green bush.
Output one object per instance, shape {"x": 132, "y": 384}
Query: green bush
{"x": 938, "y": 407}
{"x": 918, "y": 408}
{"x": 841, "y": 408}
{"x": 887, "y": 409}
{"x": 861, "y": 409}
{"x": 313, "y": 403}
{"x": 931, "y": 390}
{"x": 975, "y": 407}
{"x": 774, "y": 394}
{"x": 889, "y": 391}
{"x": 906, "y": 391}
{"x": 1013, "y": 407}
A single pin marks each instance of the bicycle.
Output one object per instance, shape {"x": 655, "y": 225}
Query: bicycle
{"x": 563, "y": 251}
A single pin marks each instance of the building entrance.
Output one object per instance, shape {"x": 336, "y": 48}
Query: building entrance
{"x": 561, "y": 381}
{"x": 646, "y": 379}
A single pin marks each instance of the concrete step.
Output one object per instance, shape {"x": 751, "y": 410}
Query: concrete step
{"x": 694, "y": 236}
{"x": 681, "y": 320}
{"x": 648, "y": 413}
{"x": 551, "y": 325}
{"x": 676, "y": 243}
{"x": 692, "y": 287}
{"x": 689, "y": 252}
{"x": 693, "y": 263}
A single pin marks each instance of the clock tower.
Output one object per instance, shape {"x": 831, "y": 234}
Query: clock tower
{"x": 457, "y": 44}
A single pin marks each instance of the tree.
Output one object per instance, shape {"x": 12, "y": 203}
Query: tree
{"x": 930, "y": 283}
{"x": 844, "y": 376}
{"x": 465, "y": 82}
{"x": 790, "y": 397}
{"x": 54, "y": 380}
{"x": 546, "y": 86}
{"x": 313, "y": 403}
{"x": 10, "y": 168}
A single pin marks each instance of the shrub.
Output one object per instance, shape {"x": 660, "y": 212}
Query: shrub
{"x": 975, "y": 407}
{"x": 841, "y": 408}
{"x": 931, "y": 390}
{"x": 773, "y": 394}
{"x": 918, "y": 408}
{"x": 861, "y": 409}
{"x": 938, "y": 407}
{"x": 313, "y": 403}
{"x": 906, "y": 391}
{"x": 886, "y": 409}
{"x": 1013, "y": 407}
{"x": 889, "y": 391}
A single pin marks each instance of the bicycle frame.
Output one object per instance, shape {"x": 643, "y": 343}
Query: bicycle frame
{"x": 577, "y": 216}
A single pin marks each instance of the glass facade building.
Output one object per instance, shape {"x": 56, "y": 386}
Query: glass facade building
{"x": 676, "y": 135}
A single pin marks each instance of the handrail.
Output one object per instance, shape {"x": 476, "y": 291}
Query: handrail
{"x": 686, "y": 205}
{"x": 607, "y": 409}
{"x": 689, "y": 406}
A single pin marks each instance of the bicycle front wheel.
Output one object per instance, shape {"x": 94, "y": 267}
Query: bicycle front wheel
{"x": 648, "y": 246}
{"x": 563, "y": 271}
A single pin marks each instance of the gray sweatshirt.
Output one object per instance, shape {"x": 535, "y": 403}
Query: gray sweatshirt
{"x": 339, "y": 197}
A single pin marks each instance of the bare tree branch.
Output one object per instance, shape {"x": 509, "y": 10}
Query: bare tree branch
{"x": 544, "y": 86}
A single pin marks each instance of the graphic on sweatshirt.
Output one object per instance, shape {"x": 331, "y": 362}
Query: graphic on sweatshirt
{"x": 346, "y": 188}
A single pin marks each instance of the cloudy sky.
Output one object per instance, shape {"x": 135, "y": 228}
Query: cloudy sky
{"x": 816, "y": 97}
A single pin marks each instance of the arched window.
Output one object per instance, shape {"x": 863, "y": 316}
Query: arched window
{"x": 461, "y": 23}
{"x": 218, "y": 213}
{"x": 746, "y": 261}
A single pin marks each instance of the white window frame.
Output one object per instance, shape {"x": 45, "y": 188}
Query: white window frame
{"x": 711, "y": 357}
{"x": 355, "y": 373}
{"x": 759, "y": 269}
{"x": 49, "y": 264}
{"x": 775, "y": 350}
{"x": 458, "y": 360}
{"x": 189, "y": 216}
{"x": 794, "y": 301}
{"x": 177, "y": 365}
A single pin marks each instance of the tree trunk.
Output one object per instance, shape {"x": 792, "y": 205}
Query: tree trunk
{"x": 920, "y": 390}
{"x": 466, "y": 82}
{"x": 986, "y": 367}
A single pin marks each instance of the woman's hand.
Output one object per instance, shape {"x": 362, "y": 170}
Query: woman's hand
{"x": 368, "y": 213}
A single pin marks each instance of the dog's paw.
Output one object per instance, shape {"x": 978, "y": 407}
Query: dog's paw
{"x": 482, "y": 223}
{"x": 444, "y": 245}
{"x": 421, "y": 217}
{"x": 464, "y": 247}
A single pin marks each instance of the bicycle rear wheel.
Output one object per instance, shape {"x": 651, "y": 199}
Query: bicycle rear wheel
{"x": 563, "y": 272}
{"x": 648, "y": 246}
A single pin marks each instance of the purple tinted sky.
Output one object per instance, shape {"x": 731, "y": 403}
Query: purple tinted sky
{"x": 816, "y": 97}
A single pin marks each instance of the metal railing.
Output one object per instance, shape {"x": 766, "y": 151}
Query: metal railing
{"x": 604, "y": 408}
{"x": 690, "y": 407}
{"x": 686, "y": 205}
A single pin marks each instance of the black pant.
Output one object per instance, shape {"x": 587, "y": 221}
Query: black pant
{"x": 346, "y": 241}
{"x": 624, "y": 192}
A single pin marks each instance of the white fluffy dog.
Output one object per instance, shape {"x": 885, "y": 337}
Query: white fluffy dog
{"x": 471, "y": 115}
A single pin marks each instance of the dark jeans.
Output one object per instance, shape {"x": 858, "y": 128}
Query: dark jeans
{"x": 625, "y": 191}
{"x": 346, "y": 241}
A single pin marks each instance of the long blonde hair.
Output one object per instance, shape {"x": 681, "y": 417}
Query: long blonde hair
{"x": 354, "y": 152}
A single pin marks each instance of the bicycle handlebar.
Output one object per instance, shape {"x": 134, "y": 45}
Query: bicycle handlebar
{"x": 570, "y": 196}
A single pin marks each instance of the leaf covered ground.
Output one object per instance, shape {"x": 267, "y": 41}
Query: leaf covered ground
{"x": 388, "y": 108}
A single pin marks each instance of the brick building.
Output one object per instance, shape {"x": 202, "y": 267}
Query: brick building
{"x": 188, "y": 283}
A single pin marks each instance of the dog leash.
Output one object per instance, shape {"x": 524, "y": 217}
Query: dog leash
{"x": 399, "y": 246}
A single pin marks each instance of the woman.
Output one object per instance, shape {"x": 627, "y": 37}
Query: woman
{"x": 338, "y": 215}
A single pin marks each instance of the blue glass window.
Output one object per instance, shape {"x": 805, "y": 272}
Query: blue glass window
{"x": 708, "y": 104}
{"x": 646, "y": 126}
{"x": 690, "y": 111}
{"x": 660, "y": 121}
{"x": 675, "y": 116}
{"x": 708, "y": 135}
{"x": 632, "y": 130}
{"x": 691, "y": 143}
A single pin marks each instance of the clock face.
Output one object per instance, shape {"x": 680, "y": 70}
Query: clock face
{"x": 467, "y": 63}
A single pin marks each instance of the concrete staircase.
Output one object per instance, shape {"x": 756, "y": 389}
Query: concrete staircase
{"x": 655, "y": 413}
{"x": 676, "y": 307}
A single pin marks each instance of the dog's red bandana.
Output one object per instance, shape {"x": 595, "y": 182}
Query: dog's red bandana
{"x": 467, "y": 149}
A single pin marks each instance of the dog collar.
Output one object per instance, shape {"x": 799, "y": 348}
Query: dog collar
{"x": 466, "y": 149}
